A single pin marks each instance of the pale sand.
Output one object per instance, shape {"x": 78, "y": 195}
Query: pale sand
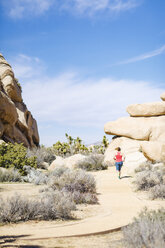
{"x": 118, "y": 205}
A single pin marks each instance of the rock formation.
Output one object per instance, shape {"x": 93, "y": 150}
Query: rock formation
{"x": 16, "y": 121}
{"x": 141, "y": 136}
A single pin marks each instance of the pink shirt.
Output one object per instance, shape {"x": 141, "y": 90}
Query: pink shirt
{"x": 118, "y": 157}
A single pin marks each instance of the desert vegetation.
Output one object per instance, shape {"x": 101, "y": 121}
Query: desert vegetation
{"x": 15, "y": 156}
{"x": 10, "y": 175}
{"x": 52, "y": 206}
{"x": 151, "y": 178}
{"x": 64, "y": 189}
{"x": 147, "y": 230}
{"x": 74, "y": 146}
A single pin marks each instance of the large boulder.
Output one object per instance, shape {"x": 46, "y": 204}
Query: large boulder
{"x": 74, "y": 160}
{"x": 69, "y": 162}
{"x": 147, "y": 109}
{"x": 142, "y": 133}
{"x": 153, "y": 150}
{"x": 59, "y": 161}
{"x": 138, "y": 128}
{"x": 16, "y": 121}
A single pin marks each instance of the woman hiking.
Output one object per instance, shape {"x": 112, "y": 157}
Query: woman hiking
{"x": 119, "y": 158}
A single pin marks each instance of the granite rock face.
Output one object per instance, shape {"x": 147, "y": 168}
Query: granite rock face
{"x": 141, "y": 136}
{"x": 147, "y": 109}
{"x": 16, "y": 121}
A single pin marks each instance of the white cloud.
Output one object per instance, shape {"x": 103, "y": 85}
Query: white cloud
{"x": 94, "y": 6}
{"x": 70, "y": 101}
{"x": 22, "y": 8}
{"x": 26, "y": 67}
{"x": 144, "y": 56}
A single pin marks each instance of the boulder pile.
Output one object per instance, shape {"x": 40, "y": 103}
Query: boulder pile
{"x": 141, "y": 136}
{"x": 16, "y": 121}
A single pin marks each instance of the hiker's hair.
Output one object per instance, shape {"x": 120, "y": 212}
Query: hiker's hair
{"x": 118, "y": 149}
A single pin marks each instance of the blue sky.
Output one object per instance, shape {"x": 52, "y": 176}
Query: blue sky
{"x": 81, "y": 62}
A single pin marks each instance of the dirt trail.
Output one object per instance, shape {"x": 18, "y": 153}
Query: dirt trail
{"x": 118, "y": 205}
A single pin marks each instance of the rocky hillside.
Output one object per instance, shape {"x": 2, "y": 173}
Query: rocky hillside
{"x": 16, "y": 121}
{"x": 141, "y": 135}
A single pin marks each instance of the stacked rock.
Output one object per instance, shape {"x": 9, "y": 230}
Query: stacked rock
{"x": 141, "y": 135}
{"x": 16, "y": 121}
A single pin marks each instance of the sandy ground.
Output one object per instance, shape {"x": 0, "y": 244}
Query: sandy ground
{"x": 118, "y": 205}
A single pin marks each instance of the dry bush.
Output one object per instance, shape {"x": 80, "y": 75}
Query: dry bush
{"x": 35, "y": 176}
{"x": 146, "y": 166}
{"x": 151, "y": 177}
{"x": 77, "y": 183}
{"x": 74, "y": 180}
{"x": 147, "y": 231}
{"x": 147, "y": 179}
{"x": 9, "y": 175}
{"x": 92, "y": 162}
{"x": 54, "y": 205}
{"x": 157, "y": 191}
{"x": 42, "y": 155}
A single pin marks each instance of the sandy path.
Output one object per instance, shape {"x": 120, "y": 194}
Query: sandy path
{"x": 118, "y": 205}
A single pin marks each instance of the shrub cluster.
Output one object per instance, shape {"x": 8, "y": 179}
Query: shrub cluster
{"x": 15, "y": 156}
{"x": 10, "y": 175}
{"x": 79, "y": 185}
{"x": 42, "y": 155}
{"x": 150, "y": 177}
{"x": 65, "y": 188}
{"x": 92, "y": 162}
{"x": 74, "y": 146}
{"x": 147, "y": 230}
{"x": 52, "y": 206}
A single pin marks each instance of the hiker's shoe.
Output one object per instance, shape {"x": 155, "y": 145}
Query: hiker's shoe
{"x": 119, "y": 177}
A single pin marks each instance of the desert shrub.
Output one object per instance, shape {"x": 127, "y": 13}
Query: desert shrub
{"x": 144, "y": 167}
{"x": 80, "y": 198}
{"x": 9, "y": 175}
{"x": 74, "y": 180}
{"x": 79, "y": 185}
{"x": 157, "y": 191}
{"x": 57, "y": 205}
{"x": 35, "y": 176}
{"x": 52, "y": 206}
{"x": 147, "y": 230}
{"x": 92, "y": 162}
{"x": 42, "y": 155}
{"x": 15, "y": 156}
{"x": 74, "y": 146}
{"x": 147, "y": 179}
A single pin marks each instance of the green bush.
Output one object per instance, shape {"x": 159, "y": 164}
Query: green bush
{"x": 15, "y": 156}
{"x": 74, "y": 146}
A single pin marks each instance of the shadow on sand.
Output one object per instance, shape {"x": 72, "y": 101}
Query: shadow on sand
{"x": 5, "y": 241}
{"x": 125, "y": 177}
